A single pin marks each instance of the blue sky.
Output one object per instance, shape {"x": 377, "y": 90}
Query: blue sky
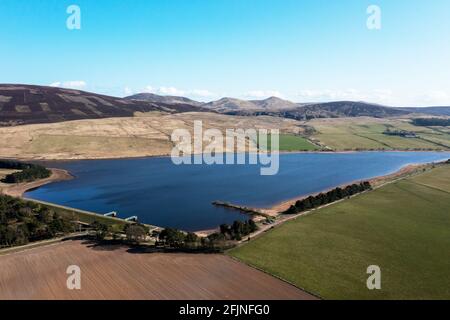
{"x": 310, "y": 50}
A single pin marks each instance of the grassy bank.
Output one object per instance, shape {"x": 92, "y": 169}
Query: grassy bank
{"x": 81, "y": 215}
{"x": 403, "y": 227}
{"x": 291, "y": 142}
{"x": 367, "y": 134}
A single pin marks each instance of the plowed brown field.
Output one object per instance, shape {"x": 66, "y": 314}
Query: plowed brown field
{"x": 116, "y": 272}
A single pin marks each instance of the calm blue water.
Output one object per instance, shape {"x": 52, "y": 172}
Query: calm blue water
{"x": 164, "y": 194}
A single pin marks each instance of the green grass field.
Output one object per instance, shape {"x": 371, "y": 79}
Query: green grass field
{"x": 367, "y": 133}
{"x": 403, "y": 227}
{"x": 290, "y": 142}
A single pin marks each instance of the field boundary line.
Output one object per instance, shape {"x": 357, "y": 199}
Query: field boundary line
{"x": 275, "y": 276}
{"x": 315, "y": 210}
{"x": 431, "y": 187}
{"x": 374, "y": 140}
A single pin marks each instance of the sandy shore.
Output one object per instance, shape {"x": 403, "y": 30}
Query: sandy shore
{"x": 18, "y": 190}
{"x": 375, "y": 182}
{"x": 168, "y": 155}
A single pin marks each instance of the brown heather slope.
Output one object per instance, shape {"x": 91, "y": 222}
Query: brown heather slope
{"x": 114, "y": 273}
{"x": 25, "y": 104}
{"x": 144, "y": 135}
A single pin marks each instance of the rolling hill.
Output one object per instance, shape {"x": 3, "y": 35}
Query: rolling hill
{"x": 303, "y": 111}
{"x": 339, "y": 109}
{"x": 349, "y": 109}
{"x": 151, "y": 97}
{"x": 274, "y": 103}
{"x": 226, "y": 105}
{"x": 435, "y": 111}
{"x": 26, "y": 104}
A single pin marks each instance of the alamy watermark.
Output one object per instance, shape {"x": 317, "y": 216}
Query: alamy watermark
{"x": 73, "y": 22}
{"x": 374, "y": 19}
{"x": 74, "y": 279}
{"x": 374, "y": 280}
{"x": 237, "y": 146}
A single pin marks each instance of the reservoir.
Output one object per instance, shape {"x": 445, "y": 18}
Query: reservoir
{"x": 180, "y": 196}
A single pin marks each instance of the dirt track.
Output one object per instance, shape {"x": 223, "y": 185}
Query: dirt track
{"x": 114, "y": 273}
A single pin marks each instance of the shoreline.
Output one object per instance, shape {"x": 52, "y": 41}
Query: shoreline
{"x": 164, "y": 156}
{"x": 276, "y": 209}
{"x": 19, "y": 189}
{"x": 284, "y": 205}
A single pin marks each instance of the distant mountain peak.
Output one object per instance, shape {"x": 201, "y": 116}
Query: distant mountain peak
{"x": 274, "y": 103}
{"x": 24, "y": 104}
{"x": 273, "y": 98}
{"x": 228, "y": 104}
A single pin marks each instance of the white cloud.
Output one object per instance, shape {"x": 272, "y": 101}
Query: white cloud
{"x": 172, "y": 91}
{"x": 128, "y": 91}
{"x": 328, "y": 95}
{"x": 381, "y": 96}
{"x": 202, "y": 93}
{"x": 74, "y": 84}
{"x": 149, "y": 89}
{"x": 434, "y": 97}
{"x": 261, "y": 94}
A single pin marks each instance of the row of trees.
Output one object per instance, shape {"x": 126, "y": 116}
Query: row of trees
{"x": 238, "y": 229}
{"x": 12, "y": 164}
{"x": 431, "y": 122}
{"x": 177, "y": 239}
{"x": 137, "y": 233}
{"x": 22, "y": 222}
{"x": 324, "y": 198}
{"x": 134, "y": 233}
{"x": 174, "y": 238}
{"x": 400, "y": 133}
{"x": 29, "y": 172}
{"x": 217, "y": 241}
